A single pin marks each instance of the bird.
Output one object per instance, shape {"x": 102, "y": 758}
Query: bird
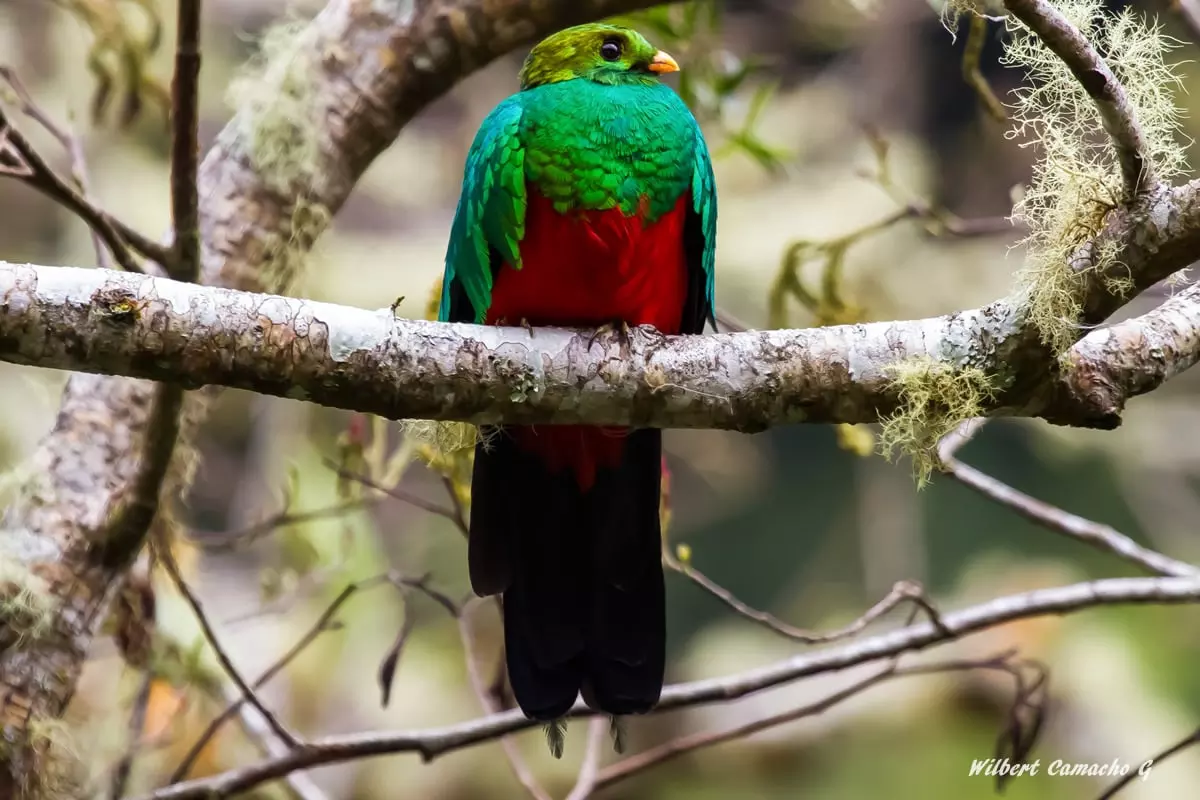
{"x": 588, "y": 200}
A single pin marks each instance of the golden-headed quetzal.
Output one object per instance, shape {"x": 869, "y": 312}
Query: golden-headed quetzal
{"x": 588, "y": 199}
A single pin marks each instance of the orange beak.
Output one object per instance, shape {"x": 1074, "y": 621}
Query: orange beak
{"x": 662, "y": 62}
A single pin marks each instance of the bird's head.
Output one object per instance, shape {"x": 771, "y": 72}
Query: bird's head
{"x": 596, "y": 52}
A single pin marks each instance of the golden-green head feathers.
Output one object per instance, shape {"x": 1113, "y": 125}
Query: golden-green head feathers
{"x": 597, "y": 52}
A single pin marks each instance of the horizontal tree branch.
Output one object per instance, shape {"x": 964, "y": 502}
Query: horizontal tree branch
{"x": 433, "y": 742}
{"x": 150, "y": 327}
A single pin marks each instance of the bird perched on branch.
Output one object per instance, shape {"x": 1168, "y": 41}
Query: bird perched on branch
{"x": 588, "y": 199}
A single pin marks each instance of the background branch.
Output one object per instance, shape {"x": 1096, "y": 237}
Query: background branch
{"x": 437, "y": 741}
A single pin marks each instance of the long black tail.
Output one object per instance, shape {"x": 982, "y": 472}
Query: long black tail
{"x": 581, "y": 575}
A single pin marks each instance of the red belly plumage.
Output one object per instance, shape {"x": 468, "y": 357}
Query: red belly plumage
{"x": 589, "y": 268}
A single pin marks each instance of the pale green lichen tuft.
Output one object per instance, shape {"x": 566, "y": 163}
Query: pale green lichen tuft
{"x": 45, "y": 759}
{"x": 1077, "y": 179}
{"x": 951, "y": 11}
{"x": 934, "y": 398}
{"x": 286, "y": 251}
{"x": 277, "y": 116}
{"x": 27, "y": 606}
{"x": 445, "y": 438}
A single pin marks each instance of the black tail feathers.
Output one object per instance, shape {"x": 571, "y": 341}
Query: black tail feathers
{"x": 581, "y": 575}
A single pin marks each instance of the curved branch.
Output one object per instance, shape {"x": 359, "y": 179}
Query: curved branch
{"x": 433, "y": 742}
{"x": 1117, "y": 113}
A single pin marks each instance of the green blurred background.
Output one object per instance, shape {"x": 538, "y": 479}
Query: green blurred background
{"x": 787, "y": 520}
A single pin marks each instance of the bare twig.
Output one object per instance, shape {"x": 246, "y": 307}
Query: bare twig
{"x": 324, "y": 623}
{"x": 282, "y": 519}
{"x": 421, "y": 585}
{"x": 167, "y": 559}
{"x": 976, "y": 39}
{"x": 1192, "y": 738}
{"x": 431, "y": 743}
{"x": 487, "y": 701}
{"x": 460, "y": 516}
{"x": 589, "y": 770}
{"x": 33, "y": 170}
{"x": 71, "y": 143}
{"x": 392, "y": 491}
{"x": 1056, "y": 519}
{"x": 698, "y": 741}
{"x": 902, "y": 592}
{"x": 137, "y": 721}
{"x": 1116, "y": 112}
{"x": 185, "y": 145}
{"x": 300, "y": 784}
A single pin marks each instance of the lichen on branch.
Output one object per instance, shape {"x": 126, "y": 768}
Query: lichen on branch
{"x": 934, "y": 398}
{"x": 1077, "y": 179}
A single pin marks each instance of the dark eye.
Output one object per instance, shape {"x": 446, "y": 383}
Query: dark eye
{"x": 610, "y": 50}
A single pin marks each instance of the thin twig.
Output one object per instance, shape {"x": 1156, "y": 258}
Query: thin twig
{"x": 589, "y": 770}
{"x": 486, "y": 700}
{"x": 697, "y": 741}
{"x": 1183, "y": 744}
{"x": 281, "y": 519}
{"x": 892, "y": 669}
{"x": 69, "y": 142}
{"x": 137, "y": 721}
{"x": 36, "y": 173}
{"x": 300, "y": 784}
{"x": 421, "y": 585}
{"x": 324, "y": 623}
{"x": 902, "y": 592}
{"x": 1098, "y": 535}
{"x": 185, "y": 146}
{"x": 460, "y": 516}
{"x": 168, "y": 561}
{"x": 1116, "y": 112}
{"x": 399, "y": 494}
{"x": 973, "y": 75}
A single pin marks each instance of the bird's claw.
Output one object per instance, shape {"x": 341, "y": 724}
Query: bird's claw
{"x": 620, "y": 328}
{"x": 650, "y": 330}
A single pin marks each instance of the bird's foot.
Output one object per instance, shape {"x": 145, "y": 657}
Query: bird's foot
{"x": 618, "y": 327}
{"x": 527, "y": 325}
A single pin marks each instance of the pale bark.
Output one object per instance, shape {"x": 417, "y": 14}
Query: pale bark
{"x": 112, "y": 322}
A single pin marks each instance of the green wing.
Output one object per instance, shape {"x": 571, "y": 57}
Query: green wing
{"x": 700, "y": 241}
{"x": 490, "y": 220}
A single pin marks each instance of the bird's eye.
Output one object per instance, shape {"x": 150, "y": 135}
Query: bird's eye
{"x": 610, "y": 50}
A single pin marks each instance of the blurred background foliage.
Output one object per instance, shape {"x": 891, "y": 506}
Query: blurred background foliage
{"x": 804, "y": 101}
